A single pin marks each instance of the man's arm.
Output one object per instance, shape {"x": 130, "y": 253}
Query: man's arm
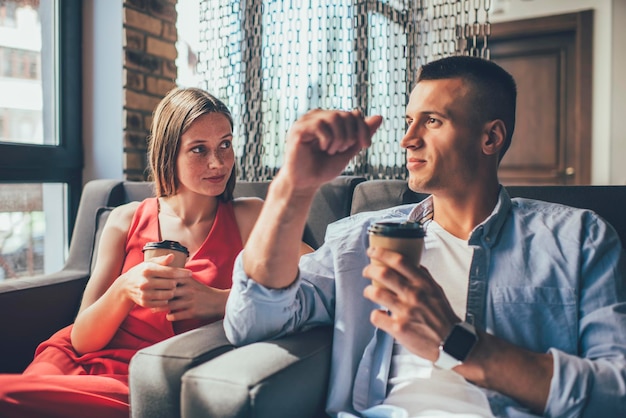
{"x": 421, "y": 317}
{"x": 319, "y": 146}
{"x": 592, "y": 382}
{"x": 261, "y": 303}
{"x": 273, "y": 250}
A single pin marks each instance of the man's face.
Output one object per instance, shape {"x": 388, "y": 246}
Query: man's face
{"x": 442, "y": 140}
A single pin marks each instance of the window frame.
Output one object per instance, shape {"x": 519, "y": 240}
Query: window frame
{"x": 62, "y": 163}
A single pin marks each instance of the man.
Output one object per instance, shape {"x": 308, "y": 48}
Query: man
{"x": 519, "y": 306}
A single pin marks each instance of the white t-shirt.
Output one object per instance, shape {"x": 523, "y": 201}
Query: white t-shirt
{"x": 415, "y": 385}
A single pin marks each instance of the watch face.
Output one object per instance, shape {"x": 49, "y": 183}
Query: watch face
{"x": 460, "y": 342}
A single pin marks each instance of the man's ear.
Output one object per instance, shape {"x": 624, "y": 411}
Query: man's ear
{"x": 494, "y": 137}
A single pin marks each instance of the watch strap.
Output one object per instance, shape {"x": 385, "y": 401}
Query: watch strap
{"x": 446, "y": 361}
{"x": 457, "y": 345}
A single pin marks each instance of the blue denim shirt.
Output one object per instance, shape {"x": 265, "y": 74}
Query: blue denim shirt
{"x": 546, "y": 277}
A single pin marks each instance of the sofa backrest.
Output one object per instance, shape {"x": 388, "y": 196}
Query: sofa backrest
{"x": 331, "y": 203}
{"x": 343, "y": 196}
{"x": 607, "y": 201}
{"x": 382, "y": 194}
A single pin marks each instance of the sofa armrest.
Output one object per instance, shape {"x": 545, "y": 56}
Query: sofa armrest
{"x": 286, "y": 377}
{"x": 156, "y": 371}
{"x": 32, "y": 309}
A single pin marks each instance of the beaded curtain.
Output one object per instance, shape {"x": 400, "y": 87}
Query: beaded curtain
{"x": 270, "y": 61}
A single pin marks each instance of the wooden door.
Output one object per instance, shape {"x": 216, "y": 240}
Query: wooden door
{"x": 550, "y": 58}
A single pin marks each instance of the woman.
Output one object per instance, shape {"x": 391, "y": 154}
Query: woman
{"x": 129, "y": 303}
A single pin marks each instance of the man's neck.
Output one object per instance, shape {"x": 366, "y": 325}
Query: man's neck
{"x": 459, "y": 214}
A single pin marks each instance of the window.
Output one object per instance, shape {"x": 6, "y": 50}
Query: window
{"x": 271, "y": 62}
{"x": 19, "y": 63}
{"x": 7, "y": 13}
{"x": 40, "y": 128}
{"x": 188, "y": 28}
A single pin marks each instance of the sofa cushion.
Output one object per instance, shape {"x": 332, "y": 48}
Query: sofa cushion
{"x": 286, "y": 377}
{"x": 102, "y": 215}
{"x": 331, "y": 202}
{"x": 138, "y": 190}
{"x": 156, "y": 371}
{"x": 381, "y": 194}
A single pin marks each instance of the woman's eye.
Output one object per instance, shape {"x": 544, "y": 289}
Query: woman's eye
{"x": 197, "y": 150}
{"x": 226, "y": 144}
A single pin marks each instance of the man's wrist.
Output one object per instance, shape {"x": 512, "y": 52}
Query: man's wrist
{"x": 284, "y": 184}
{"x": 456, "y": 347}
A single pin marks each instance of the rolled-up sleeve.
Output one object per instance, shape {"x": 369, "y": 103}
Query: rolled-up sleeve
{"x": 593, "y": 383}
{"x": 255, "y": 312}
{"x": 586, "y": 388}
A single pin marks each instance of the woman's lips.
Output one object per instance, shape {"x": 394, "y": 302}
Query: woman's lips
{"x": 215, "y": 179}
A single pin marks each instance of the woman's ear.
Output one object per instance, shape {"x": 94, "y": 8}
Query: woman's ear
{"x": 494, "y": 137}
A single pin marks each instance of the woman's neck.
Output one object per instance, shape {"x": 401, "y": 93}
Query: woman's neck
{"x": 189, "y": 209}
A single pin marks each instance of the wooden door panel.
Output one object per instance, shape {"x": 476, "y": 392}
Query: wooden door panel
{"x": 537, "y": 112}
{"x": 551, "y": 143}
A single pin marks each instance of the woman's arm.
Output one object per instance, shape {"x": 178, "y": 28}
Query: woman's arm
{"x": 110, "y": 295}
{"x": 197, "y": 300}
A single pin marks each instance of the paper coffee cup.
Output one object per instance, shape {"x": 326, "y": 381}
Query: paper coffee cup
{"x": 157, "y": 249}
{"x": 406, "y": 238}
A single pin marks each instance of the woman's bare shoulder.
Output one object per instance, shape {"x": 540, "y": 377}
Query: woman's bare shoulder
{"x": 247, "y": 211}
{"x": 121, "y": 216}
{"x": 248, "y": 204}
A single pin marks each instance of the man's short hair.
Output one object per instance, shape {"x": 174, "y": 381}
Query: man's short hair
{"x": 493, "y": 90}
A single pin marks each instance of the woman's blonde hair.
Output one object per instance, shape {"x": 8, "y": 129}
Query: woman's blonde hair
{"x": 172, "y": 117}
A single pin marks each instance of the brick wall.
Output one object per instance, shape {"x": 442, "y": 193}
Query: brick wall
{"x": 149, "y": 73}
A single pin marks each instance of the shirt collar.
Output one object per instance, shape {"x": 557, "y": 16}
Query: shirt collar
{"x": 486, "y": 231}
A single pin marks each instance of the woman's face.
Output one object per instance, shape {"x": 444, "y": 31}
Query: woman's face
{"x": 205, "y": 157}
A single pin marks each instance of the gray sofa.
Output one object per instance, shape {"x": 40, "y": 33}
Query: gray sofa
{"x": 32, "y": 309}
{"x": 199, "y": 373}
{"x": 287, "y": 377}
{"x": 157, "y": 371}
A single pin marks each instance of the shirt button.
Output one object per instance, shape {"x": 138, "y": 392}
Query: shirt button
{"x": 488, "y": 239}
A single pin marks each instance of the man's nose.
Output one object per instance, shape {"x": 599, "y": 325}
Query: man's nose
{"x": 411, "y": 138}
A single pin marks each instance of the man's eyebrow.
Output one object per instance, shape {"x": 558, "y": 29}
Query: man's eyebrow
{"x": 446, "y": 115}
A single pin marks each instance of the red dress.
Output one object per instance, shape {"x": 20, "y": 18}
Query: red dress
{"x": 60, "y": 383}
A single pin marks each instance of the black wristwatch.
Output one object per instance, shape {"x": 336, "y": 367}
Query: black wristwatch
{"x": 456, "y": 347}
